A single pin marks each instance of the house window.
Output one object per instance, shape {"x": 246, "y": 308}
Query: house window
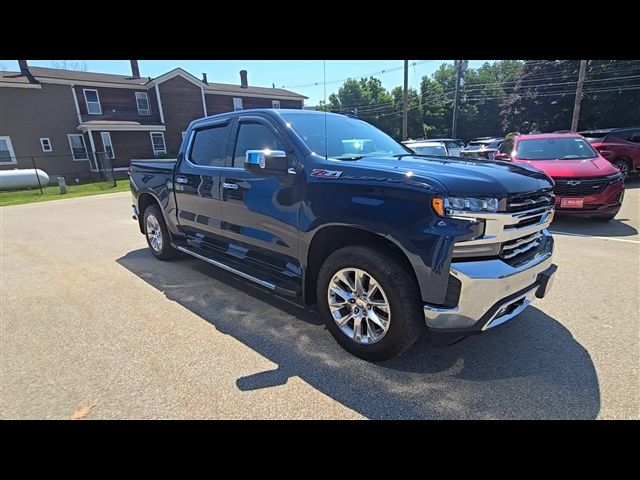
{"x": 106, "y": 143}
{"x": 157, "y": 141}
{"x": 275, "y": 103}
{"x": 78, "y": 149}
{"x": 237, "y": 104}
{"x": 7, "y": 155}
{"x": 93, "y": 102}
{"x": 142, "y": 100}
{"x": 45, "y": 143}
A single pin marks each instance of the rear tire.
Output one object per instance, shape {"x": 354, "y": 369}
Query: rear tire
{"x": 157, "y": 234}
{"x": 396, "y": 288}
{"x": 604, "y": 218}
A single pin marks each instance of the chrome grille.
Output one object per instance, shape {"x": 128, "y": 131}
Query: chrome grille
{"x": 528, "y": 202}
{"x": 521, "y": 245}
{"x": 579, "y": 186}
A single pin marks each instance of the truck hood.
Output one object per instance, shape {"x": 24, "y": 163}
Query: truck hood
{"x": 590, "y": 167}
{"x": 459, "y": 176}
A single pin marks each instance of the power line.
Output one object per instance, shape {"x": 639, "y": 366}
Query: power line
{"x": 381, "y": 72}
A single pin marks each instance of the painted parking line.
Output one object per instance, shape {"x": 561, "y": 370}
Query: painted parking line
{"x": 594, "y": 236}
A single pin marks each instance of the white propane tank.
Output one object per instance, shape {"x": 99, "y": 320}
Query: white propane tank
{"x": 22, "y": 178}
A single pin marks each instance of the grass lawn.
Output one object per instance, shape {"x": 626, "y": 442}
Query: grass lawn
{"x": 51, "y": 192}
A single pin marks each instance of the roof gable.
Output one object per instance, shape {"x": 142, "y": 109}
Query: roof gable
{"x": 178, "y": 72}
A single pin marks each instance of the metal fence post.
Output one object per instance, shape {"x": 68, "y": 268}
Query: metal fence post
{"x": 35, "y": 169}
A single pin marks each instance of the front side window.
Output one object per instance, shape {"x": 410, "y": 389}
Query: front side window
{"x": 253, "y": 136}
{"x": 45, "y": 143}
{"x": 346, "y": 137}
{"x": 237, "y": 104}
{"x": 108, "y": 146}
{"x": 7, "y": 155}
{"x": 210, "y": 146}
{"x": 142, "y": 100}
{"x": 555, "y": 149}
{"x": 93, "y": 102}
{"x": 157, "y": 142}
{"x": 78, "y": 148}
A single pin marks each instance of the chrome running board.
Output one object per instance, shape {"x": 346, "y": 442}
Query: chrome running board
{"x": 268, "y": 285}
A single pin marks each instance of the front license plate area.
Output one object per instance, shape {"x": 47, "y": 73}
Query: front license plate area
{"x": 571, "y": 203}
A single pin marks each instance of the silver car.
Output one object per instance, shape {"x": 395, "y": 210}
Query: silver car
{"x": 424, "y": 147}
{"x": 483, "y": 147}
{"x": 454, "y": 145}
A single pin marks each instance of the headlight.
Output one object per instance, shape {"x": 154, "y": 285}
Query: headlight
{"x": 617, "y": 178}
{"x": 471, "y": 204}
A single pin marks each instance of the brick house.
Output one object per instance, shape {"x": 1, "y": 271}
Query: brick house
{"x": 61, "y": 118}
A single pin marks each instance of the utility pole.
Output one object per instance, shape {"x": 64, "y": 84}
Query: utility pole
{"x": 576, "y": 105}
{"x": 405, "y": 107}
{"x": 454, "y": 125}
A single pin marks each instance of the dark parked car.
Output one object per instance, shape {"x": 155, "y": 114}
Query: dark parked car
{"x": 483, "y": 147}
{"x": 328, "y": 209}
{"x": 621, "y": 146}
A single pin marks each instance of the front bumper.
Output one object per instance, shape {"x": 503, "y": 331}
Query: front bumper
{"x": 607, "y": 202}
{"x": 492, "y": 292}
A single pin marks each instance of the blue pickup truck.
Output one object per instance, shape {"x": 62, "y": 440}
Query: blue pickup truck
{"x": 329, "y": 210}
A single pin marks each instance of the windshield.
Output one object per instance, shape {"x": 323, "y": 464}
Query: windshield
{"x": 555, "y": 149}
{"x": 430, "y": 150}
{"x": 478, "y": 144}
{"x": 346, "y": 137}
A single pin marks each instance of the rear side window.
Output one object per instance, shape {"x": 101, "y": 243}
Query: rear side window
{"x": 253, "y": 136}
{"x": 635, "y": 136}
{"x": 210, "y": 146}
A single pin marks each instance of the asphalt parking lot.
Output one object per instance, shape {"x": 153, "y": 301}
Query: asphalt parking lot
{"x": 88, "y": 318}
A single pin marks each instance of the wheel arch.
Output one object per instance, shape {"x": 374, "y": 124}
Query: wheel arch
{"x": 145, "y": 200}
{"x": 330, "y": 238}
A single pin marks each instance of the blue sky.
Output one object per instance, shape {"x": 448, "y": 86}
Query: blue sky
{"x": 290, "y": 73}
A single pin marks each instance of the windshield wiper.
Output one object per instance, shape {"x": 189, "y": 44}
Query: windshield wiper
{"x": 347, "y": 157}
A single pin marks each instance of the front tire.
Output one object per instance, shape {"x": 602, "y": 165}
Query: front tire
{"x": 370, "y": 303}
{"x": 157, "y": 234}
{"x": 623, "y": 165}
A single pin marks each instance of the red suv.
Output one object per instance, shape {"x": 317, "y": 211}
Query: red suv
{"x": 621, "y": 146}
{"x": 585, "y": 182}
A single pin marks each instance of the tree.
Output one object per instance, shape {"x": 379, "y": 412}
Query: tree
{"x": 69, "y": 65}
{"x": 368, "y": 99}
{"x": 544, "y": 96}
{"x": 436, "y": 94}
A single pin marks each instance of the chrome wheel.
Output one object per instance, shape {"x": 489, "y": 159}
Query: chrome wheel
{"x": 359, "y": 306}
{"x": 154, "y": 234}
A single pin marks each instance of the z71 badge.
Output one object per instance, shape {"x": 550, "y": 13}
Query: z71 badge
{"x": 321, "y": 172}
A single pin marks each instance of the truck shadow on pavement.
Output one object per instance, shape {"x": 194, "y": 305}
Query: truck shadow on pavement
{"x": 585, "y": 226}
{"x": 531, "y": 367}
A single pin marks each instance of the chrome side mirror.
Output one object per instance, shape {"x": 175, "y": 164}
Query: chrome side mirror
{"x": 266, "y": 161}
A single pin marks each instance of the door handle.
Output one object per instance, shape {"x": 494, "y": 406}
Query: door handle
{"x": 230, "y": 186}
{"x": 181, "y": 179}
